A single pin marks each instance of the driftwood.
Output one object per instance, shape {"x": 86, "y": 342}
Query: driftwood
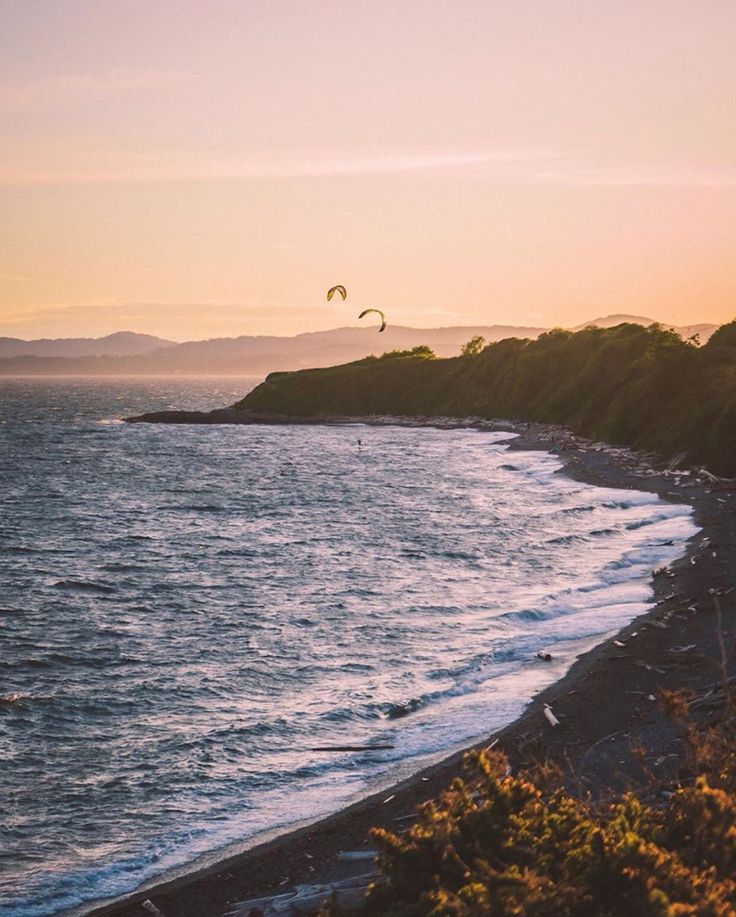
{"x": 714, "y": 695}
{"x": 348, "y": 894}
{"x": 676, "y": 460}
{"x": 714, "y": 478}
{"x": 149, "y": 906}
{"x": 352, "y": 747}
{"x": 551, "y": 718}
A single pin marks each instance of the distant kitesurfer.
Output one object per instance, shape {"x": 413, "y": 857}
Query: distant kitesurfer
{"x": 337, "y": 289}
{"x": 378, "y": 312}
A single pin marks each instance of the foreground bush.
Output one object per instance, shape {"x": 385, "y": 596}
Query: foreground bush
{"x": 498, "y": 844}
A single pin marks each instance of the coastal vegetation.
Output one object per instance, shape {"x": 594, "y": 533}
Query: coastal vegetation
{"x": 642, "y": 387}
{"x": 502, "y": 844}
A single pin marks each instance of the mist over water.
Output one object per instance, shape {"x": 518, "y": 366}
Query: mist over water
{"x": 187, "y": 611}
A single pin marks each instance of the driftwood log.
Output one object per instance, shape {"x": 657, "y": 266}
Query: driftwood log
{"x": 348, "y": 894}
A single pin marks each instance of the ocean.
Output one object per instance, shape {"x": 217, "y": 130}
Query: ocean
{"x": 187, "y": 612}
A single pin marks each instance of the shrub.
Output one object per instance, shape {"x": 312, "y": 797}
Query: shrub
{"x": 498, "y": 845}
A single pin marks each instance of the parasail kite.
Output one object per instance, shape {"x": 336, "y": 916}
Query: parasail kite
{"x": 378, "y": 311}
{"x": 338, "y": 289}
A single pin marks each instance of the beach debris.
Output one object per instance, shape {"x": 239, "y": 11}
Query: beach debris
{"x": 650, "y": 668}
{"x": 551, "y": 718}
{"x": 149, "y": 906}
{"x": 676, "y": 460}
{"x": 352, "y": 747}
{"x": 347, "y": 894}
{"x": 389, "y": 798}
{"x": 350, "y": 855}
{"x": 619, "y": 643}
{"x": 715, "y": 694}
{"x": 547, "y": 657}
{"x": 339, "y": 288}
{"x": 711, "y": 478}
{"x": 378, "y": 311}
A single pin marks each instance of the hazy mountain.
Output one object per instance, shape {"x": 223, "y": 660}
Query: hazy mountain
{"x": 120, "y": 344}
{"x": 259, "y": 355}
{"x": 253, "y": 355}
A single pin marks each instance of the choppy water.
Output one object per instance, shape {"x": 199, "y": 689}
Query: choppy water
{"x": 187, "y": 611}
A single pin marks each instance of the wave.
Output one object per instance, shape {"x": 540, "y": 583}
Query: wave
{"x": 399, "y": 599}
{"x": 84, "y": 586}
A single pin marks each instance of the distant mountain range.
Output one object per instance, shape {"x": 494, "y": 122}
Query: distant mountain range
{"x": 127, "y": 353}
{"x": 120, "y": 344}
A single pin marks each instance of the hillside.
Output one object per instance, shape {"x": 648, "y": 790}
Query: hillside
{"x": 120, "y": 344}
{"x": 643, "y": 387}
{"x": 258, "y": 355}
{"x": 703, "y": 330}
{"x": 133, "y": 354}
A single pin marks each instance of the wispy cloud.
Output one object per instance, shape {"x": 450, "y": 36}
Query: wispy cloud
{"x": 74, "y": 87}
{"x": 210, "y": 318}
{"x": 206, "y": 319}
{"x": 86, "y": 163}
{"x": 94, "y": 165}
{"x": 665, "y": 176}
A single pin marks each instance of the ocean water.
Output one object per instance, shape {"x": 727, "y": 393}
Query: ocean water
{"x": 186, "y": 612}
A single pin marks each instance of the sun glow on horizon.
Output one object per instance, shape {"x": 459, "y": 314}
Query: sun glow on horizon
{"x": 204, "y": 169}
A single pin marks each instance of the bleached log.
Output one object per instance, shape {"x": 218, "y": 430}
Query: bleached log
{"x": 349, "y": 895}
{"x": 551, "y": 718}
{"x": 340, "y": 748}
{"x": 714, "y": 478}
{"x": 149, "y": 906}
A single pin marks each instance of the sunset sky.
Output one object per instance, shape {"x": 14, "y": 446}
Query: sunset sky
{"x": 195, "y": 168}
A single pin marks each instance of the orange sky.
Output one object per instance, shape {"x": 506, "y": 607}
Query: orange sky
{"x": 210, "y": 167}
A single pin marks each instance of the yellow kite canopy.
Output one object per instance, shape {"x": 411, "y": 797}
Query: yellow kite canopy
{"x": 378, "y": 311}
{"x": 338, "y": 289}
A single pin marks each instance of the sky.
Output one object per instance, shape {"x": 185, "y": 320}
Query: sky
{"x": 203, "y": 168}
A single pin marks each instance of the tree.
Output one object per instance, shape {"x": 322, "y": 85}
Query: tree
{"x": 423, "y": 352}
{"x": 473, "y": 347}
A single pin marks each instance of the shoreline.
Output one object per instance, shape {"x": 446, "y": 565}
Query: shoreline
{"x": 600, "y": 720}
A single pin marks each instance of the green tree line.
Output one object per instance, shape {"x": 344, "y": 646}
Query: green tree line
{"x": 628, "y": 385}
